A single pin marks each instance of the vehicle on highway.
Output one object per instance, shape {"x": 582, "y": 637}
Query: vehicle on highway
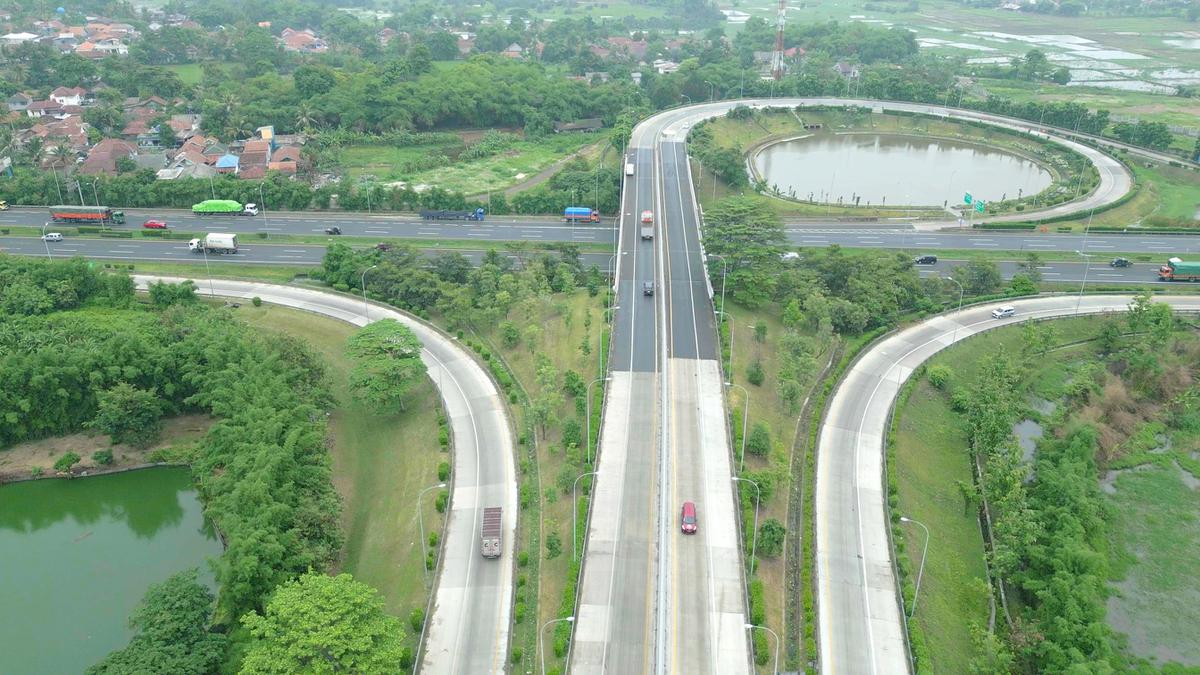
{"x": 224, "y": 207}
{"x": 1002, "y": 312}
{"x": 491, "y": 543}
{"x": 647, "y": 288}
{"x": 3, "y": 205}
{"x": 1178, "y": 270}
{"x": 629, "y": 168}
{"x": 925, "y": 260}
{"x": 445, "y": 214}
{"x": 333, "y": 230}
{"x": 581, "y": 214}
{"x": 52, "y": 236}
{"x": 1119, "y": 262}
{"x": 647, "y": 224}
{"x": 86, "y": 214}
{"x": 687, "y": 522}
{"x": 154, "y": 224}
{"x": 214, "y": 242}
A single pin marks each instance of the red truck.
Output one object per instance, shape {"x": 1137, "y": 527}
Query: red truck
{"x": 86, "y": 214}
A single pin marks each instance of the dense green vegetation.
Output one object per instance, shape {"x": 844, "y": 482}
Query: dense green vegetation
{"x": 1051, "y": 542}
{"x": 263, "y": 470}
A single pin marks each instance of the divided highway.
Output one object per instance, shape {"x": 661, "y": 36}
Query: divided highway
{"x": 467, "y": 631}
{"x": 862, "y": 630}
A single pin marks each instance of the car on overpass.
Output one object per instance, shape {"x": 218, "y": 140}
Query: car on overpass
{"x": 1003, "y": 312}
{"x": 647, "y": 288}
{"x": 688, "y": 523}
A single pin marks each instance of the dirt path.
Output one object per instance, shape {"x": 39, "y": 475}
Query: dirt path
{"x": 543, "y": 175}
{"x": 17, "y": 462}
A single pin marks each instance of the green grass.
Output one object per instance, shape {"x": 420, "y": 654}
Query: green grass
{"x": 276, "y": 274}
{"x": 380, "y": 464}
{"x": 1156, "y": 533}
{"x": 189, "y": 73}
{"x": 498, "y": 172}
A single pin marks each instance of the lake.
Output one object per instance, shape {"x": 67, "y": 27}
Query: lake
{"x": 896, "y": 170}
{"x": 79, "y": 554}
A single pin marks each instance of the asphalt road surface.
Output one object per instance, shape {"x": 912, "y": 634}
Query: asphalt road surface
{"x": 469, "y": 623}
{"x": 1162, "y": 245}
{"x": 854, "y": 567}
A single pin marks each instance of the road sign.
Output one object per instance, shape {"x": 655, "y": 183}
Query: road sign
{"x": 979, "y": 205}
{"x": 967, "y": 198}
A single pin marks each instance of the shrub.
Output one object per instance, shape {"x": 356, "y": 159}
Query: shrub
{"x": 516, "y": 654}
{"x": 103, "y": 457}
{"x": 758, "y": 610}
{"x": 759, "y": 441}
{"x": 755, "y": 373}
{"x": 444, "y": 437}
{"x": 523, "y": 559}
{"x": 770, "y": 538}
{"x": 940, "y": 375}
{"x": 572, "y": 433}
{"x": 510, "y": 335}
{"x": 416, "y": 619}
{"x": 434, "y": 538}
{"x": 518, "y": 612}
{"x": 762, "y": 649}
{"x": 256, "y": 301}
{"x": 67, "y": 461}
{"x": 553, "y": 545}
{"x": 429, "y": 564}
{"x": 36, "y": 472}
{"x": 442, "y": 499}
{"x": 443, "y": 471}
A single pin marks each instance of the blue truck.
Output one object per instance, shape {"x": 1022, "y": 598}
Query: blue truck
{"x": 581, "y": 214}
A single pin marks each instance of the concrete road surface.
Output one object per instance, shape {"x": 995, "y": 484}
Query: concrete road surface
{"x": 468, "y": 627}
{"x": 859, "y": 612}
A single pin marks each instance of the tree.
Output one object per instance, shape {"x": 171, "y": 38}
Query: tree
{"x": 387, "y": 364}
{"x": 129, "y": 414}
{"x": 163, "y": 294}
{"x": 759, "y": 441}
{"x": 67, "y": 461}
{"x": 172, "y": 632}
{"x": 750, "y": 237}
{"x": 313, "y": 80}
{"x": 770, "y": 538}
{"x": 321, "y": 624}
{"x": 1032, "y": 267}
{"x": 980, "y": 276}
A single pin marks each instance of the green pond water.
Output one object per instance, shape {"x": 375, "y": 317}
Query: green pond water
{"x": 77, "y": 555}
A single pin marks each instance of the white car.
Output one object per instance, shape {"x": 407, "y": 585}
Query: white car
{"x": 52, "y": 236}
{"x": 1003, "y": 312}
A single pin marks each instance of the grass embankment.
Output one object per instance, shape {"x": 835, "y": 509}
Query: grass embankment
{"x": 380, "y": 464}
{"x": 1166, "y": 196}
{"x": 553, "y": 333}
{"x": 439, "y": 164}
{"x": 929, "y": 462}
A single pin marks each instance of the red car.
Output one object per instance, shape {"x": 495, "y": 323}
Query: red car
{"x": 154, "y": 225}
{"x": 689, "y": 524}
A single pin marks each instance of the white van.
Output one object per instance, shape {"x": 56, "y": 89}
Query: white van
{"x": 1002, "y": 312}
{"x": 629, "y": 168}
{"x": 52, "y": 236}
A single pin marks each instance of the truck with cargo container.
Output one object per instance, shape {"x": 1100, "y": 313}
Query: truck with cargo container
{"x": 446, "y": 214}
{"x": 214, "y": 242}
{"x": 86, "y": 214}
{"x": 1178, "y": 270}
{"x": 647, "y": 224}
{"x": 491, "y": 539}
{"x": 581, "y": 214}
{"x": 224, "y": 207}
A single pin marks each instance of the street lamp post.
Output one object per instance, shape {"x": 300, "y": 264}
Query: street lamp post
{"x": 421, "y": 526}
{"x": 757, "y": 499}
{"x": 588, "y": 394}
{"x": 366, "y": 311}
{"x": 745, "y": 421}
{"x": 751, "y": 626}
{"x": 575, "y": 514}
{"x": 724, "y": 266}
{"x": 262, "y": 204}
{"x": 712, "y": 91}
{"x": 1086, "y": 267}
{"x": 960, "y": 299}
{"x": 95, "y": 192}
{"x": 921, "y": 570}
{"x": 689, "y": 98}
{"x": 46, "y": 243}
{"x": 542, "y": 647}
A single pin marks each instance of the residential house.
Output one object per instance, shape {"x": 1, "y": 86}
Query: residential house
{"x": 663, "y": 67}
{"x": 256, "y": 154}
{"x": 104, "y": 155}
{"x": 590, "y": 124}
{"x": 845, "y": 69}
{"x": 71, "y": 130}
{"x": 69, "y": 95}
{"x": 98, "y": 49}
{"x": 385, "y": 36}
{"x": 513, "y": 51}
{"x": 285, "y": 160}
{"x": 17, "y": 38}
{"x": 44, "y": 108}
{"x": 305, "y": 41}
{"x": 600, "y": 52}
{"x": 47, "y": 27}
{"x": 184, "y": 126}
{"x": 19, "y": 102}
{"x": 227, "y": 164}
{"x": 635, "y": 49}
{"x": 466, "y": 45}
{"x": 65, "y": 42}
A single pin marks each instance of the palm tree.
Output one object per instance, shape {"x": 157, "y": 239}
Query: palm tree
{"x": 305, "y": 116}
{"x": 60, "y": 154}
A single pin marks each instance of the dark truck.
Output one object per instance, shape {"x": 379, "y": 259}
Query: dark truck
{"x": 86, "y": 214}
{"x": 491, "y": 540}
{"x": 443, "y": 214}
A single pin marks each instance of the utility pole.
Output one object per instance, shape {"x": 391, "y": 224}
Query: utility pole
{"x": 777, "y": 56}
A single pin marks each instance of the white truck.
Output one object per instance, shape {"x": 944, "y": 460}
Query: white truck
{"x": 647, "y": 224}
{"x": 214, "y": 243}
